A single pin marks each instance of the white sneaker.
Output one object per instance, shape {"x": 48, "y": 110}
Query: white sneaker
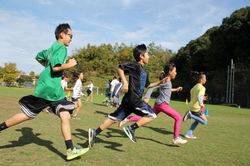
{"x": 179, "y": 141}
{"x": 124, "y": 121}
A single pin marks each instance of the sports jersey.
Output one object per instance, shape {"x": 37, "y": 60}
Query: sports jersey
{"x": 64, "y": 84}
{"x": 138, "y": 80}
{"x": 77, "y": 90}
{"x": 49, "y": 84}
{"x": 165, "y": 93}
{"x": 196, "y": 92}
{"x": 113, "y": 84}
{"x": 90, "y": 87}
{"x": 117, "y": 90}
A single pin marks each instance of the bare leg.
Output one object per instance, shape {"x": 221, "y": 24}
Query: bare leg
{"x": 78, "y": 106}
{"x": 65, "y": 124}
{"x": 143, "y": 121}
{"x": 108, "y": 122}
{"x": 16, "y": 119}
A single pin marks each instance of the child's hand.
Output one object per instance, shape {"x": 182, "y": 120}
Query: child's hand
{"x": 146, "y": 100}
{"x": 179, "y": 88}
{"x": 125, "y": 87}
{"x": 72, "y": 62}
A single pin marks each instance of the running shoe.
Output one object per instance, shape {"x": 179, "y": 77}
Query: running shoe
{"x": 76, "y": 152}
{"x": 130, "y": 133}
{"x": 179, "y": 141}
{"x": 91, "y": 138}
{"x": 75, "y": 117}
{"x": 187, "y": 116}
{"x": 124, "y": 121}
{"x": 190, "y": 136}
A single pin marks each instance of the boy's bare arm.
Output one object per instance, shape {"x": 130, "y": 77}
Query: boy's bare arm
{"x": 41, "y": 62}
{"x": 124, "y": 80}
{"x": 71, "y": 63}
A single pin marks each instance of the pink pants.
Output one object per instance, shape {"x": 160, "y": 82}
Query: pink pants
{"x": 165, "y": 108}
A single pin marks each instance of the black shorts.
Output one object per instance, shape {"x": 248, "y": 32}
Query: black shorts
{"x": 32, "y": 105}
{"x": 122, "y": 112}
{"x": 89, "y": 92}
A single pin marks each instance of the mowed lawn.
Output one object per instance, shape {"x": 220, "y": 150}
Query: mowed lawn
{"x": 223, "y": 141}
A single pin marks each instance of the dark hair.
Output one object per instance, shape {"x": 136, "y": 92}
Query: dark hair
{"x": 65, "y": 76}
{"x": 114, "y": 77}
{"x": 138, "y": 50}
{"x": 167, "y": 68}
{"x": 197, "y": 75}
{"x": 76, "y": 75}
{"x": 110, "y": 80}
{"x": 61, "y": 28}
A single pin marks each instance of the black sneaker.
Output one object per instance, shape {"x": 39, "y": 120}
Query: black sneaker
{"x": 130, "y": 133}
{"x": 91, "y": 138}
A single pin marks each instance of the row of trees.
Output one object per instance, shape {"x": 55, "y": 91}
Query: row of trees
{"x": 12, "y": 77}
{"x": 210, "y": 53}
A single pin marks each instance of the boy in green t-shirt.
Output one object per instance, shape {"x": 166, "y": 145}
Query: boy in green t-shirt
{"x": 49, "y": 92}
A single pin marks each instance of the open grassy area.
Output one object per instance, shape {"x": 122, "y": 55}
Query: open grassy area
{"x": 223, "y": 141}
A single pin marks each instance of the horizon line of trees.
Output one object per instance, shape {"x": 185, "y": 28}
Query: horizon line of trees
{"x": 210, "y": 53}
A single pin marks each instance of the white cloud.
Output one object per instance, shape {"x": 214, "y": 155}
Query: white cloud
{"x": 137, "y": 35}
{"x": 126, "y": 3}
{"x": 174, "y": 46}
{"x": 44, "y": 2}
{"x": 22, "y": 38}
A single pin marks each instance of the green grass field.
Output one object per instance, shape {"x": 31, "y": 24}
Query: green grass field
{"x": 223, "y": 141}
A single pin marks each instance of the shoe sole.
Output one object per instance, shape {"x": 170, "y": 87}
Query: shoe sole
{"x": 129, "y": 136}
{"x": 179, "y": 143}
{"x": 184, "y": 118}
{"x": 90, "y": 145}
{"x": 189, "y": 137}
{"x": 77, "y": 155}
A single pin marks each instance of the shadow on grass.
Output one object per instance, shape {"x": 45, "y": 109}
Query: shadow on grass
{"x": 108, "y": 144}
{"x": 161, "y": 130}
{"x": 111, "y": 132}
{"x": 100, "y": 112}
{"x": 29, "y": 137}
{"x": 99, "y": 104}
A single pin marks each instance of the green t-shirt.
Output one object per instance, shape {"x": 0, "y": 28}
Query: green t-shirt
{"x": 49, "y": 84}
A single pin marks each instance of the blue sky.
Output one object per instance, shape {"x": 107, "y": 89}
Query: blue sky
{"x": 27, "y": 26}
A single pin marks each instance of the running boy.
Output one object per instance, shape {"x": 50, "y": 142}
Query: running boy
{"x": 132, "y": 101}
{"x": 49, "y": 92}
{"x": 162, "y": 102}
{"x": 196, "y": 105}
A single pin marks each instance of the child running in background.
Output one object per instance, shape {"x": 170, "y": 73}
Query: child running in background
{"x": 116, "y": 94}
{"x": 49, "y": 93}
{"x": 131, "y": 102}
{"x": 107, "y": 93}
{"x": 196, "y": 106}
{"x": 77, "y": 93}
{"x": 162, "y": 102}
{"x": 64, "y": 84}
{"x": 90, "y": 91}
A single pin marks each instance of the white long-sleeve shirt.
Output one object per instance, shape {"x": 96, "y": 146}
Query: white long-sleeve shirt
{"x": 77, "y": 90}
